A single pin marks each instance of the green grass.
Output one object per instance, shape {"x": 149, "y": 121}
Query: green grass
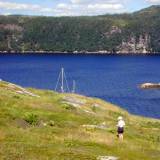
{"x": 45, "y": 128}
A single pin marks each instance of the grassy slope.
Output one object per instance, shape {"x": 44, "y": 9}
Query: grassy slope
{"x": 66, "y": 139}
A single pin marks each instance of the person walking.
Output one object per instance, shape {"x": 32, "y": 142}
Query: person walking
{"x": 120, "y": 127}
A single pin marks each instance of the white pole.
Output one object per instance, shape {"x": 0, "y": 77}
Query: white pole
{"x": 62, "y": 86}
{"x": 74, "y": 86}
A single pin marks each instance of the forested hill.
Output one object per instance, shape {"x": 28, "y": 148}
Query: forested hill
{"x": 137, "y": 32}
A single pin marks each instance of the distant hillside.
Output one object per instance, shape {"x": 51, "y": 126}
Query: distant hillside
{"x": 45, "y": 125}
{"x": 137, "y": 32}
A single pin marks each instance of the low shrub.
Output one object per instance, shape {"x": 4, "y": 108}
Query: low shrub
{"x": 31, "y": 118}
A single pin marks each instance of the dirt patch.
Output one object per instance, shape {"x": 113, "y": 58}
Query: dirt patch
{"x": 21, "y": 123}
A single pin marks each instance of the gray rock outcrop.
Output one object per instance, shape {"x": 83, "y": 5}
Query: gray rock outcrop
{"x": 107, "y": 158}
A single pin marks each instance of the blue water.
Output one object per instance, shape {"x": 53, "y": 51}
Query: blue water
{"x": 112, "y": 78}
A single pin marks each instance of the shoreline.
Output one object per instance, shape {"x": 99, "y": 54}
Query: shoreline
{"x": 23, "y": 91}
{"x": 77, "y": 53}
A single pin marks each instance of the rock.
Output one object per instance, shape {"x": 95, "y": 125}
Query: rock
{"x": 150, "y": 86}
{"x": 41, "y": 124}
{"x": 133, "y": 45}
{"x": 27, "y": 93}
{"x": 114, "y": 30}
{"x": 89, "y": 126}
{"x": 74, "y": 101}
{"x": 96, "y": 105}
{"x": 107, "y": 158}
{"x": 44, "y": 124}
{"x": 88, "y": 111}
{"x": 20, "y": 90}
{"x": 100, "y": 126}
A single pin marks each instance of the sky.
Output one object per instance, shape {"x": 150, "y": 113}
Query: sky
{"x": 72, "y": 7}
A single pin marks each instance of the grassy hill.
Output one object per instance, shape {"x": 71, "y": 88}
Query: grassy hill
{"x": 44, "y": 125}
{"x": 136, "y": 32}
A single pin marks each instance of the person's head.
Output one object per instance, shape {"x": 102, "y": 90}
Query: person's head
{"x": 120, "y": 118}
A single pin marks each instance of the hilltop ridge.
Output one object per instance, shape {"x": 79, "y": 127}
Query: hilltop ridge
{"x": 42, "y": 124}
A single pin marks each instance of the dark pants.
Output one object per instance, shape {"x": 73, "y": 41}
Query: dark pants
{"x": 120, "y": 130}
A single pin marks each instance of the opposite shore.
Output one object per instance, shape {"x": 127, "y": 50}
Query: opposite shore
{"x": 79, "y": 52}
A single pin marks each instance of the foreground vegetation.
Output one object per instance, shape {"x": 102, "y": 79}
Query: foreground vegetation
{"x": 44, "y": 125}
{"x": 81, "y": 34}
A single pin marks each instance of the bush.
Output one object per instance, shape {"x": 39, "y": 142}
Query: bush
{"x": 51, "y": 123}
{"x": 31, "y": 118}
{"x": 68, "y": 107}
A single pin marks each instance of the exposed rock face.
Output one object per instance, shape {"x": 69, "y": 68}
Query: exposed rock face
{"x": 11, "y": 27}
{"x": 113, "y": 30}
{"x": 19, "y": 90}
{"x": 74, "y": 101}
{"x": 136, "y": 46}
{"x": 77, "y": 102}
{"x": 14, "y": 34}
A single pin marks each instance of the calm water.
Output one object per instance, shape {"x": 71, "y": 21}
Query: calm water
{"x": 113, "y": 78}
